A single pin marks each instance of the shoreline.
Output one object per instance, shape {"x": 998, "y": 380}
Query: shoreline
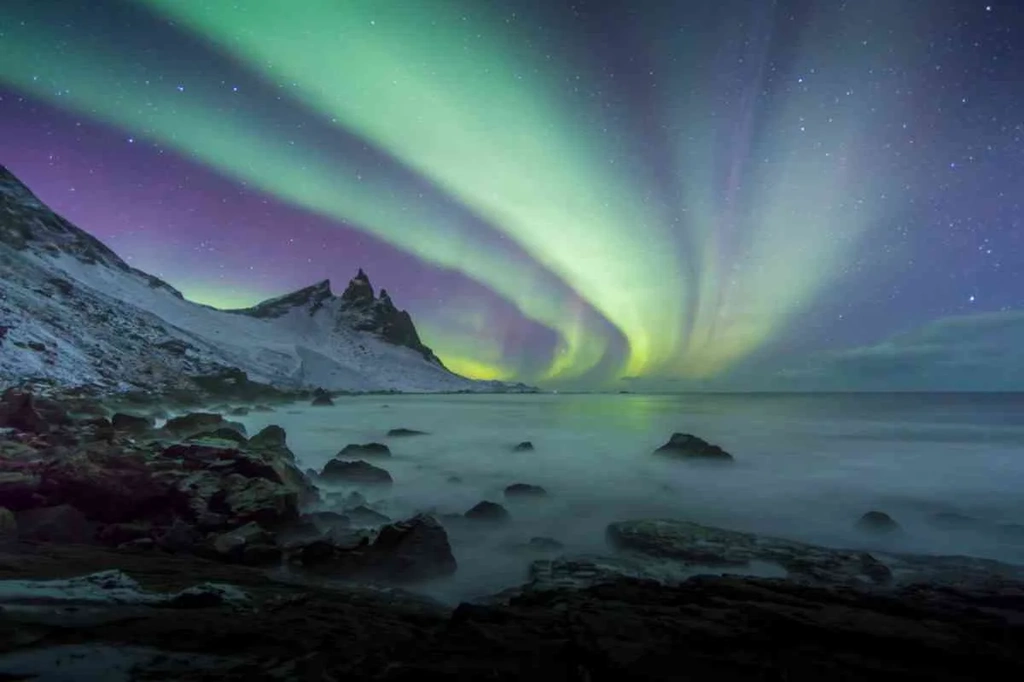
{"x": 197, "y": 501}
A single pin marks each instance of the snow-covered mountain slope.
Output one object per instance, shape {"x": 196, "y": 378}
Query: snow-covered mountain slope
{"x": 72, "y": 311}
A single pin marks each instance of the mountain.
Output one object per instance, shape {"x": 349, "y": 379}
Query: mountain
{"x": 72, "y": 311}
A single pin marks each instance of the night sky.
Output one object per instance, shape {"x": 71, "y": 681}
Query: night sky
{"x": 646, "y": 195}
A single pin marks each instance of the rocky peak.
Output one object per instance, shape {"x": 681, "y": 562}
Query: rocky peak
{"x": 312, "y": 298}
{"x": 359, "y": 290}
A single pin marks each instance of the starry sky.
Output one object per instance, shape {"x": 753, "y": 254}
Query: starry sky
{"x": 654, "y": 195}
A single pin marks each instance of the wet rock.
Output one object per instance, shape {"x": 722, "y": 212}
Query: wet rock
{"x": 488, "y": 511}
{"x": 364, "y": 516}
{"x": 524, "y": 490}
{"x": 96, "y": 429}
{"x": 954, "y": 521}
{"x": 180, "y": 537}
{"x": 8, "y": 524}
{"x": 19, "y": 410}
{"x": 454, "y": 479}
{"x": 687, "y": 446}
{"x": 322, "y": 398}
{"x": 131, "y": 423}
{"x": 250, "y": 544}
{"x": 525, "y": 446}
{"x": 877, "y": 522}
{"x": 19, "y": 489}
{"x": 115, "y": 534}
{"x": 255, "y": 499}
{"x": 687, "y": 544}
{"x": 110, "y": 487}
{"x": 400, "y": 433}
{"x": 545, "y": 544}
{"x": 62, "y": 523}
{"x": 237, "y": 426}
{"x": 271, "y": 437}
{"x": 193, "y": 422}
{"x": 411, "y": 550}
{"x": 222, "y": 434}
{"x": 263, "y": 408}
{"x": 358, "y": 471}
{"x": 238, "y": 411}
{"x": 365, "y": 450}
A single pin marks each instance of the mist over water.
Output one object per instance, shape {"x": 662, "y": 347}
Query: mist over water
{"x": 807, "y": 467}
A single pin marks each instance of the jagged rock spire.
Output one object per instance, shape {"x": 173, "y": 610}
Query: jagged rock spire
{"x": 359, "y": 289}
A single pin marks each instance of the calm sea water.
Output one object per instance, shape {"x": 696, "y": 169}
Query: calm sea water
{"x": 807, "y": 466}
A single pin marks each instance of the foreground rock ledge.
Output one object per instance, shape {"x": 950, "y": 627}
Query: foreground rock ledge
{"x": 713, "y": 628}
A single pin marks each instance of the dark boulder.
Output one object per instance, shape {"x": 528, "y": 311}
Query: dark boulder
{"x": 400, "y": 433}
{"x": 416, "y": 549}
{"x": 271, "y": 437}
{"x": 524, "y": 490}
{"x": 488, "y": 511}
{"x": 19, "y": 489}
{"x": 19, "y": 410}
{"x": 250, "y": 544}
{"x": 364, "y": 516}
{"x": 358, "y": 471}
{"x": 193, "y": 422}
{"x": 61, "y": 523}
{"x": 223, "y": 433}
{"x": 365, "y": 450}
{"x": 131, "y": 423}
{"x": 111, "y": 487}
{"x": 545, "y": 544}
{"x": 525, "y": 446}
{"x": 322, "y": 398}
{"x": 684, "y": 445}
{"x": 238, "y": 411}
{"x": 877, "y": 522}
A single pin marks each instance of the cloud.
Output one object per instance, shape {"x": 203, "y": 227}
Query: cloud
{"x": 965, "y": 353}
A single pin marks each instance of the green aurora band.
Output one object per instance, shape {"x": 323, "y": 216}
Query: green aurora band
{"x": 89, "y": 79}
{"x": 475, "y": 103}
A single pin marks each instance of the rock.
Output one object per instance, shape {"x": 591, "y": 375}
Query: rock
{"x": 358, "y": 471}
{"x": 271, "y": 437}
{"x": 488, "y": 511}
{"x": 364, "y": 516}
{"x": 19, "y": 411}
{"x": 322, "y": 398}
{"x": 545, "y": 544}
{"x": 524, "y": 490}
{"x": 263, "y": 408}
{"x": 255, "y": 499}
{"x": 954, "y": 521}
{"x": 684, "y": 544}
{"x": 238, "y": 411}
{"x": 62, "y": 523}
{"x": 8, "y": 524}
{"x": 131, "y": 423}
{"x": 522, "y": 447}
{"x": 687, "y": 446}
{"x": 250, "y": 544}
{"x": 399, "y": 433}
{"x": 365, "y": 450}
{"x": 179, "y": 537}
{"x": 96, "y": 429}
{"x": 877, "y": 522}
{"x": 454, "y": 479}
{"x": 223, "y": 433}
{"x": 20, "y": 489}
{"x": 237, "y": 426}
{"x": 111, "y": 487}
{"x": 193, "y": 422}
{"x": 416, "y": 549}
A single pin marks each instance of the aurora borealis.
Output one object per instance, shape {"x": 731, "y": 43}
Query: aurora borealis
{"x": 587, "y": 194}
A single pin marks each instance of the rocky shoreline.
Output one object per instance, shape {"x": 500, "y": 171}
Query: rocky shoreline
{"x": 198, "y": 551}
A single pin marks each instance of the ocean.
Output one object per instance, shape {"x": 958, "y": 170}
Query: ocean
{"x": 807, "y": 467}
